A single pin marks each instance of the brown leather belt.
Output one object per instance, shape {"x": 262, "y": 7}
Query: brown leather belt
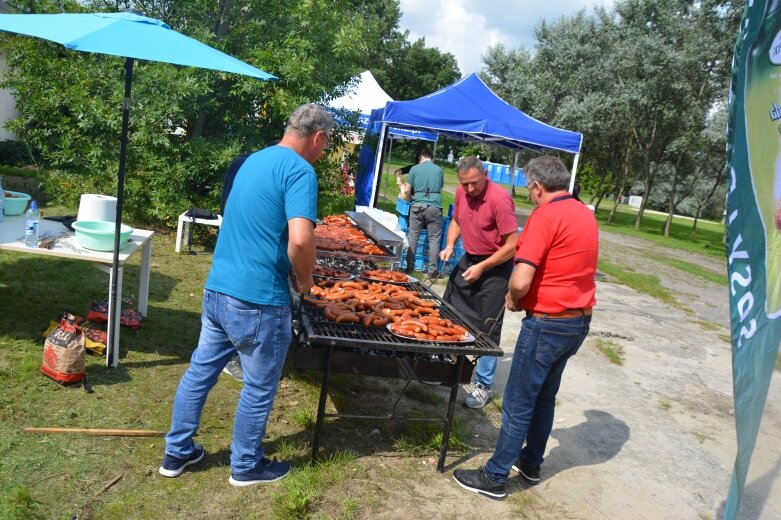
{"x": 569, "y": 313}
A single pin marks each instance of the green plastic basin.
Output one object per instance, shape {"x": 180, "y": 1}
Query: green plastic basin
{"x": 98, "y": 235}
{"x": 15, "y": 202}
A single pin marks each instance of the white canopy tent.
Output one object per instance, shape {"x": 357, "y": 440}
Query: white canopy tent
{"x": 368, "y": 95}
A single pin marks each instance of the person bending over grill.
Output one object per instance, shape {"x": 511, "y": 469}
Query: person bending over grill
{"x": 268, "y": 229}
{"x": 553, "y": 281}
{"x": 484, "y": 218}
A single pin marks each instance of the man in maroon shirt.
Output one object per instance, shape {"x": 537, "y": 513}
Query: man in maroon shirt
{"x": 484, "y": 218}
{"x": 553, "y": 281}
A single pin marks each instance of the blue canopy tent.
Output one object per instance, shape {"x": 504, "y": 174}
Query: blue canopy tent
{"x": 467, "y": 110}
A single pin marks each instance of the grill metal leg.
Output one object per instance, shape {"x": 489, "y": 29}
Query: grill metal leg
{"x": 451, "y": 408}
{"x": 321, "y": 404}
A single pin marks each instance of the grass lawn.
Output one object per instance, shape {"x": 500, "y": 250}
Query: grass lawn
{"x": 67, "y": 476}
{"x": 389, "y": 190}
{"x": 707, "y": 241}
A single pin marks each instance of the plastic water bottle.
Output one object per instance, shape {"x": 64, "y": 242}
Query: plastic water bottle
{"x": 31, "y": 226}
{"x": 2, "y": 200}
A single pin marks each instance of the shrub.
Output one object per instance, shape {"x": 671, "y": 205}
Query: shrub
{"x": 15, "y": 153}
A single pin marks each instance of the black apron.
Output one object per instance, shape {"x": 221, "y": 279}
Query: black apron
{"x": 481, "y": 302}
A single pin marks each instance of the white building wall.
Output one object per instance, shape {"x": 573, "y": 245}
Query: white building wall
{"x": 7, "y": 105}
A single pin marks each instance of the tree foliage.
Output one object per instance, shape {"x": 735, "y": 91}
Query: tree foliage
{"x": 187, "y": 124}
{"x": 642, "y": 81}
{"x": 413, "y": 70}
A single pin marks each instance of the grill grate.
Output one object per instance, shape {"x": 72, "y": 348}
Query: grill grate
{"x": 321, "y": 331}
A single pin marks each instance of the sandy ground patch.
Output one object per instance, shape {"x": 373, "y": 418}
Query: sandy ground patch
{"x": 652, "y": 438}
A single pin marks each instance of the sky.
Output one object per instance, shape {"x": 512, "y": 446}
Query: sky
{"x": 467, "y": 28}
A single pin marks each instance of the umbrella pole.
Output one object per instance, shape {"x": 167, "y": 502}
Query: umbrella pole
{"x": 112, "y": 351}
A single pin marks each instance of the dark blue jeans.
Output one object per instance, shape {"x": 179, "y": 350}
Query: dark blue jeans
{"x": 541, "y": 353}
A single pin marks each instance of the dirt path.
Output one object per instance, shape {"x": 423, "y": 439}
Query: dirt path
{"x": 652, "y": 438}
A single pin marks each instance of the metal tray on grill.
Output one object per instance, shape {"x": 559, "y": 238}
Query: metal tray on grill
{"x": 376, "y": 233}
{"x": 469, "y": 337}
{"x": 410, "y": 279}
{"x": 387, "y": 257}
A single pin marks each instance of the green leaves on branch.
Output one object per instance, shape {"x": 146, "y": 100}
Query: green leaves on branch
{"x": 186, "y": 124}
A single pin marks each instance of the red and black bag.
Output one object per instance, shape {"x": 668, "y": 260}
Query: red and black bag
{"x": 63, "y": 352}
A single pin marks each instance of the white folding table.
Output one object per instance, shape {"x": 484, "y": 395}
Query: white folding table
{"x": 67, "y": 246}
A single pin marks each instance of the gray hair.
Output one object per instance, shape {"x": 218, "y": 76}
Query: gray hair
{"x": 469, "y": 162}
{"x": 548, "y": 171}
{"x": 309, "y": 119}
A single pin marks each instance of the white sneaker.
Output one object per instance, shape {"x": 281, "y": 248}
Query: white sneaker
{"x": 479, "y": 396}
{"x": 233, "y": 369}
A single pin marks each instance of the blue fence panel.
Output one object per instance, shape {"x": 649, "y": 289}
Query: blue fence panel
{"x": 520, "y": 178}
{"x": 490, "y": 170}
{"x": 505, "y": 174}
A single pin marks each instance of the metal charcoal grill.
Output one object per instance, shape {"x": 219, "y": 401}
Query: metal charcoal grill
{"x": 355, "y": 349}
{"x": 324, "y": 332}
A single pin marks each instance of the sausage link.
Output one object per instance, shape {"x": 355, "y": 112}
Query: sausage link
{"x": 347, "y": 317}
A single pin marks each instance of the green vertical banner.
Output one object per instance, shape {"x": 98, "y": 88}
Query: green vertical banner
{"x": 754, "y": 225}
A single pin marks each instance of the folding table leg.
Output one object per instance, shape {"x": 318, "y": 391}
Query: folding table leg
{"x": 179, "y": 234}
{"x": 143, "y": 283}
{"x": 321, "y": 404}
{"x": 451, "y": 408}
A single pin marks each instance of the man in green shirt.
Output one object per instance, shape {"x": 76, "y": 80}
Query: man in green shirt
{"x": 424, "y": 186}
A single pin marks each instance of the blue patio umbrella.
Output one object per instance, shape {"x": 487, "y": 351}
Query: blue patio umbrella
{"x": 132, "y": 37}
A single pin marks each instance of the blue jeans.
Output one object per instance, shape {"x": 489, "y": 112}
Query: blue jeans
{"x": 261, "y": 335}
{"x": 485, "y": 371}
{"x": 541, "y": 353}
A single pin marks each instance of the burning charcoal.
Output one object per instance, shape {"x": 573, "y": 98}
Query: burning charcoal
{"x": 350, "y": 265}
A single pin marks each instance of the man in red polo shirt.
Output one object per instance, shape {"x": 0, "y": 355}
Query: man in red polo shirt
{"x": 484, "y": 218}
{"x": 553, "y": 281}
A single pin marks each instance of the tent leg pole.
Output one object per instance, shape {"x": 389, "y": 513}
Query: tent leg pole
{"x": 387, "y": 168}
{"x": 378, "y": 167}
{"x": 574, "y": 172}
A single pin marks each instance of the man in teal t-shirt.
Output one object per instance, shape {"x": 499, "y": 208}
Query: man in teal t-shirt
{"x": 424, "y": 185}
{"x": 267, "y": 234}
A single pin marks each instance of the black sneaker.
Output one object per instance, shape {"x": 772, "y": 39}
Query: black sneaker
{"x": 266, "y": 471}
{"x": 173, "y": 466}
{"x": 530, "y": 474}
{"x": 476, "y": 481}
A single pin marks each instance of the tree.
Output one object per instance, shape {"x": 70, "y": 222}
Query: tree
{"x": 187, "y": 124}
{"x": 638, "y": 80}
{"x": 414, "y": 70}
